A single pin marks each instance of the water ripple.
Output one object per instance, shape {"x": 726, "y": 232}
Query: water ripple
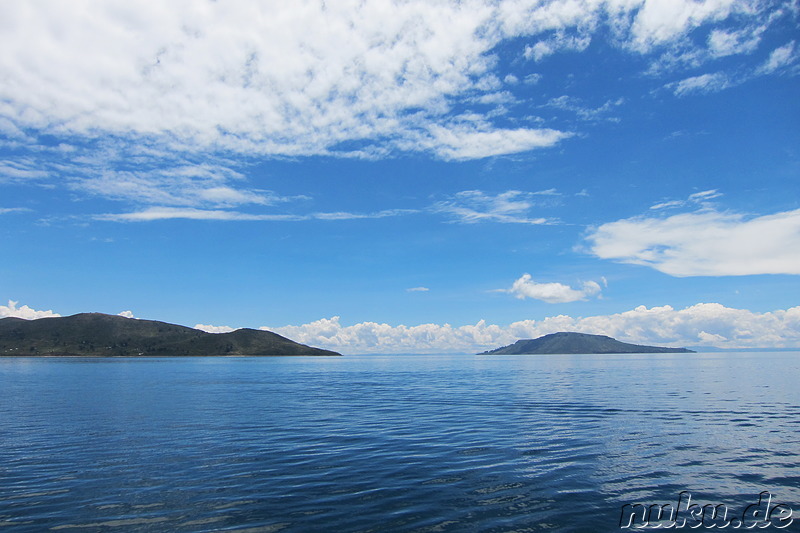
{"x": 388, "y": 443}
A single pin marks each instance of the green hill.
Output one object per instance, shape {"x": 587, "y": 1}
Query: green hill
{"x": 96, "y": 334}
{"x": 568, "y": 342}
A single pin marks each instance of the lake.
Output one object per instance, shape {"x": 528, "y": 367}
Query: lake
{"x": 392, "y": 443}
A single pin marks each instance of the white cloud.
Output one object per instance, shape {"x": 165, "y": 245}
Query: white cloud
{"x": 154, "y": 103}
{"x": 275, "y": 78}
{"x": 699, "y": 198}
{"x": 575, "y": 105}
{"x": 126, "y": 314}
{"x": 703, "y": 196}
{"x": 181, "y": 184}
{"x": 214, "y": 329}
{"x": 7, "y": 210}
{"x": 533, "y": 79}
{"x": 23, "y": 312}
{"x": 661, "y": 21}
{"x": 418, "y": 289}
{"x": 705, "y": 83}
{"x": 552, "y": 293}
{"x": 723, "y": 43}
{"x": 372, "y": 337}
{"x": 780, "y": 58}
{"x": 21, "y": 169}
{"x": 190, "y": 213}
{"x": 343, "y": 215}
{"x": 704, "y": 243}
{"x": 304, "y": 77}
{"x": 469, "y": 207}
{"x": 468, "y": 142}
{"x": 704, "y": 324}
{"x": 558, "y": 43}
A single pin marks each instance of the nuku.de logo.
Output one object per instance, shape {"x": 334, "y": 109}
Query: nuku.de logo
{"x": 759, "y": 515}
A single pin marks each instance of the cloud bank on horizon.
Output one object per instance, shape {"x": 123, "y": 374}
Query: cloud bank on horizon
{"x": 708, "y": 324}
{"x": 701, "y": 325}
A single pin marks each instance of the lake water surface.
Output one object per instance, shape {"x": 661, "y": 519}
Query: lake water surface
{"x": 390, "y": 443}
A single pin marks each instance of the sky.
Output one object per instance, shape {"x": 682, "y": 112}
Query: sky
{"x": 406, "y": 176}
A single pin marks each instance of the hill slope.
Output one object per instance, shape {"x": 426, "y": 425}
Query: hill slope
{"x": 567, "y": 342}
{"x": 96, "y": 334}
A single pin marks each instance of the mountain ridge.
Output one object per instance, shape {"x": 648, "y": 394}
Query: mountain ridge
{"x": 566, "y": 342}
{"x": 101, "y": 335}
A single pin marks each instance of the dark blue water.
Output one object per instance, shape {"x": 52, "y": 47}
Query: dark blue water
{"x": 390, "y": 443}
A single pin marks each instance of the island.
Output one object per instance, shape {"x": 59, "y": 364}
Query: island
{"x": 101, "y": 335}
{"x": 566, "y": 342}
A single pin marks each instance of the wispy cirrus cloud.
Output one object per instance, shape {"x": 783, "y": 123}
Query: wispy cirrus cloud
{"x": 7, "y": 210}
{"x": 201, "y": 185}
{"x": 575, "y": 105}
{"x": 510, "y": 207}
{"x": 701, "y": 198}
{"x": 466, "y": 207}
{"x": 22, "y": 169}
{"x": 190, "y": 213}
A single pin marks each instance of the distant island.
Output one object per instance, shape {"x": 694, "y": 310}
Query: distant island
{"x": 101, "y": 335}
{"x": 569, "y": 342}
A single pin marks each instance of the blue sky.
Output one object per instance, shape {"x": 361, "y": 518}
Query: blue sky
{"x": 407, "y": 176}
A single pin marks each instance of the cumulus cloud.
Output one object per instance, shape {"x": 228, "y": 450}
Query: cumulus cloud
{"x": 704, "y": 324}
{"x": 707, "y": 242}
{"x": 552, "y": 293}
{"x": 26, "y": 312}
{"x": 372, "y": 337}
{"x": 214, "y": 329}
{"x": 126, "y": 314}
